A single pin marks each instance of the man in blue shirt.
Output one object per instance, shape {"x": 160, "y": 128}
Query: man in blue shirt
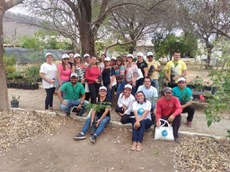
{"x": 184, "y": 94}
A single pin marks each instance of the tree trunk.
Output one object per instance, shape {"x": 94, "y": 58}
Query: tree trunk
{"x": 209, "y": 47}
{"x": 4, "y": 103}
{"x": 86, "y": 33}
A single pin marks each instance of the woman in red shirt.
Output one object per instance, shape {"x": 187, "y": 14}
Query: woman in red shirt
{"x": 93, "y": 77}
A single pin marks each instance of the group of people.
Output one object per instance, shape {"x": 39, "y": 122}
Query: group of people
{"x": 139, "y": 98}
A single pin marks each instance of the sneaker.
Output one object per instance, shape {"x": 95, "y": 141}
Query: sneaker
{"x": 189, "y": 123}
{"x": 79, "y": 136}
{"x": 93, "y": 138}
{"x": 74, "y": 109}
{"x": 177, "y": 140}
{"x": 68, "y": 114}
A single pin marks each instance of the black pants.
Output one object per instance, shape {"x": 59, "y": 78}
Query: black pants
{"x": 176, "y": 124}
{"x": 94, "y": 89}
{"x": 191, "y": 111}
{"x": 49, "y": 97}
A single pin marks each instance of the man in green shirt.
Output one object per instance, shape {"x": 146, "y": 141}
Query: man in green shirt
{"x": 73, "y": 96}
{"x": 184, "y": 94}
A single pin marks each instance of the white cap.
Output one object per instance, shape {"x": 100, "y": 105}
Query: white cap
{"x": 130, "y": 55}
{"x": 149, "y": 53}
{"x": 107, "y": 59}
{"x": 77, "y": 55}
{"x": 113, "y": 58}
{"x": 140, "y": 54}
{"x": 73, "y": 74}
{"x": 128, "y": 86}
{"x": 181, "y": 79}
{"x": 65, "y": 56}
{"x": 48, "y": 54}
{"x": 102, "y": 88}
{"x": 86, "y": 55}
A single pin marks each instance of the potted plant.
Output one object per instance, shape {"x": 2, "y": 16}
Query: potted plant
{"x": 14, "y": 101}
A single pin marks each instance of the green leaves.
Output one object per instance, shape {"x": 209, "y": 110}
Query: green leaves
{"x": 99, "y": 106}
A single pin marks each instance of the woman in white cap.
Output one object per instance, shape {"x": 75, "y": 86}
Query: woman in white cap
{"x": 98, "y": 119}
{"x": 141, "y": 64}
{"x": 64, "y": 70}
{"x": 48, "y": 73}
{"x": 124, "y": 103}
{"x": 79, "y": 68}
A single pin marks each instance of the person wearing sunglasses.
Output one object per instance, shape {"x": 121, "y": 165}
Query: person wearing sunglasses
{"x": 64, "y": 70}
{"x": 169, "y": 108}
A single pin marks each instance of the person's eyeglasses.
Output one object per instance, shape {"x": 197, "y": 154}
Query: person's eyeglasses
{"x": 66, "y": 59}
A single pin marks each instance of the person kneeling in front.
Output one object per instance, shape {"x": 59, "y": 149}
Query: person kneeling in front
{"x": 98, "y": 119}
{"x": 74, "y": 96}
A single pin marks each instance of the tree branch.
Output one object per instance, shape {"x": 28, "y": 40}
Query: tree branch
{"x": 11, "y": 3}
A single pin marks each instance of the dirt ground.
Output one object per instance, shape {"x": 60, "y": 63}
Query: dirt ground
{"x": 59, "y": 152}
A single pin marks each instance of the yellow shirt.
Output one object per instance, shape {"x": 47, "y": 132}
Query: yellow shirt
{"x": 155, "y": 74}
{"x": 176, "y": 67}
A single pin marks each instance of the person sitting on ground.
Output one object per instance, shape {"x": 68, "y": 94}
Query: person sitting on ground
{"x": 169, "y": 108}
{"x": 74, "y": 96}
{"x": 124, "y": 103}
{"x": 150, "y": 93}
{"x": 98, "y": 119}
{"x": 184, "y": 94}
{"x": 141, "y": 109}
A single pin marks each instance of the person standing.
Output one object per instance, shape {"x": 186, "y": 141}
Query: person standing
{"x": 74, "y": 96}
{"x": 64, "y": 70}
{"x": 93, "y": 77}
{"x": 175, "y": 69}
{"x": 48, "y": 73}
{"x": 108, "y": 77}
{"x": 141, "y": 64}
{"x": 169, "y": 108}
{"x": 141, "y": 109}
{"x": 154, "y": 67}
{"x": 184, "y": 94}
{"x": 120, "y": 75}
{"x": 98, "y": 119}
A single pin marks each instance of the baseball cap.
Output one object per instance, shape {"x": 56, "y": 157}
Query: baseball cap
{"x": 149, "y": 53}
{"x": 65, "y": 56}
{"x": 167, "y": 89}
{"x": 113, "y": 58}
{"x": 102, "y": 88}
{"x": 128, "y": 86}
{"x": 130, "y": 55}
{"x": 86, "y": 55}
{"x": 181, "y": 79}
{"x": 140, "y": 54}
{"x": 48, "y": 54}
{"x": 107, "y": 59}
{"x": 73, "y": 75}
{"x": 77, "y": 55}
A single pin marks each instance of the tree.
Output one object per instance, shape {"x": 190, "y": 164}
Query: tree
{"x": 208, "y": 19}
{"x": 4, "y": 6}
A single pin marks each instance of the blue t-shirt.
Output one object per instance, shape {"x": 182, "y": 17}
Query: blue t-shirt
{"x": 184, "y": 95}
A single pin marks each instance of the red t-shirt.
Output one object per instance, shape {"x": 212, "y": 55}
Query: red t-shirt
{"x": 92, "y": 73}
{"x": 168, "y": 107}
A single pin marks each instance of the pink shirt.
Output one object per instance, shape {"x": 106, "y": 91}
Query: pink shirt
{"x": 168, "y": 107}
{"x": 92, "y": 73}
{"x": 64, "y": 74}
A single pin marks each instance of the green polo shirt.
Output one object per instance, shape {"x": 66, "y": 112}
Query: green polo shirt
{"x": 184, "y": 95}
{"x": 72, "y": 92}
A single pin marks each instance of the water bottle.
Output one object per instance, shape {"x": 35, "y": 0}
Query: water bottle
{"x": 52, "y": 85}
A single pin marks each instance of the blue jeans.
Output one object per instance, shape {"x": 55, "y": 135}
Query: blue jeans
{"x": 71, "y": 103}
{"x": 155, "y": 84}
{"x": 110, "y": 93}
{"x": 138, "y": 134}
{"x": 120, "y": 88}
{"x": 99, "y": 129}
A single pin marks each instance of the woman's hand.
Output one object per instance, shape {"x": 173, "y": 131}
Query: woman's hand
{"x": 98, "y": 122}
{"x": 137, "y": 125}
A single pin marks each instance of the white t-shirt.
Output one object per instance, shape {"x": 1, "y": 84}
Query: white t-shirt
{"x": 140, "y": 108}
{"x": 122, "y": 101}
{"x": 50, "y": 71}
{"x": 150, "y": 93}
